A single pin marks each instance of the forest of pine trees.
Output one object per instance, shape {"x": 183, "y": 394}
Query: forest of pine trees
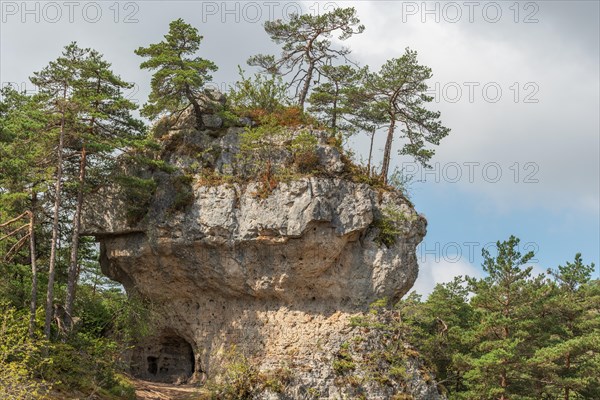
{"x": 511, "y": 335}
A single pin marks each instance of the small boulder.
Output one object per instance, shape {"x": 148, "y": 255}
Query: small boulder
{"x": 212, "y": 121}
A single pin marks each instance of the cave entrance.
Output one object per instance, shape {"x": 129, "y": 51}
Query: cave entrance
{"x": 167, "y": 358}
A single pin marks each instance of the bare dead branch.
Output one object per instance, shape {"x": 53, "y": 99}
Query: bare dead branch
{"x": 13, "y": 232}
{"x": 13, "y": 220}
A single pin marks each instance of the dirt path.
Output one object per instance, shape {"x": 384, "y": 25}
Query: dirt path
{"x": 145, "y": 390}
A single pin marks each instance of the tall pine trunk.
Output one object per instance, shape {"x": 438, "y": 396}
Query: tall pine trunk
{"x": 388, "y": 150}
{"x": 371, "y": 152}
{"x": 334, "y": 113}
{"x": 306, "y": 86}
{"x": 73, "y": 262}
{"x": 196, "y": 106}
{"x": 57, "y": 204}
{"x": 568, "y": 365}
{"x": 73, "y": 274}
{"x": 32, "y": 253}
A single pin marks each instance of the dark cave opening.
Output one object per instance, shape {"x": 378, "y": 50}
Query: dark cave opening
{"x": 152, "y": 365}
{"x": 167, "y": 358}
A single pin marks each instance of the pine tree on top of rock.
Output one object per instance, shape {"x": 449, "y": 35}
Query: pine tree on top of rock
{"x": 180, "y": 75}
{"x": 306, "y": 47}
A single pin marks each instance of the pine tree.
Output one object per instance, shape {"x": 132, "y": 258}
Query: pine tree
{"x": 398, "y": 90}
{"x": 568, "y": 360}
{"x": 330, "y": 99}
{"x": 180, "y": 76}
{"x": 105, "y": 124}
{"x": 364, "y": 114}
{"x": 306, "y": 46}
{"x": 23, "y": 172}
{"x": 506, "y": 302}
{"x": 56, "y": 83}
{"x": 451, "y": 319}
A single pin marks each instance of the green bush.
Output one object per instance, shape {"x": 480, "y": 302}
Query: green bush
{"x": 184, "y": 193}
{"x": 259, "y": 150}
{"x": 237, "y": 380}
{"x": 240, "y": 379}
{"x": 18, "y": 356}
{"x": 138, "y": 193}
{"x": 264, "y": 150}
{"x": 16, "y": 383}
{"x": 112, "y": 313}
{"x": 122, "y": 388}
{"x": 260, "y": 92}
{"x": 389, "y": 226}
{"x": 88, "y": 364}
{"x": 343, "y": 363}
{"x": 88, "y": 360}
{"x": 399, "y": 181}
{"x": 304, "y": 150}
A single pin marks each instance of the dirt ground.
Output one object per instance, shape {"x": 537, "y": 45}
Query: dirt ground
{"x": 145, "y": 390}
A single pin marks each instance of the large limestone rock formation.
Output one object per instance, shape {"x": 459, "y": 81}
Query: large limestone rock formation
{"x": 276, "y": 277}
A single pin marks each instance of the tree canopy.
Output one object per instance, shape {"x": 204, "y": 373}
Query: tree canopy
{"x": 511, "y": 335}
{"x": 180, "y": 75}
{"x": 398, "y": 91}
{"x": 306, "y": 47}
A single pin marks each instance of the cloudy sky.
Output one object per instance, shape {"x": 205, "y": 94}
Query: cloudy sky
{"x": 517, "y": 82}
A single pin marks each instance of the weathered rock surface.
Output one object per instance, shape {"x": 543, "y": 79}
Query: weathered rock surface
{"x": 278, "y": 277}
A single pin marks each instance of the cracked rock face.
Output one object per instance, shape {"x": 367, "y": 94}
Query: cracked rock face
{"x": 278, "y": 277}
{"x": 311, "y": 239}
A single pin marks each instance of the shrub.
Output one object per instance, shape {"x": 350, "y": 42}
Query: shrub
{"x": 16, "y": 383}
{"x": 239, "y": 379}
{"x": 266, "y": 149}
{"x": 260, "y": 146}
{"x": 228, "y": 116}
{"x": 385, "y": 356}
{"x": 388, "y": 225}
{"x": 260, "y": 149}
{"x": 85, "y": 363}
{"x": 122, "y": 388}
{"x": 209, "y": 177}
{"x": 294, "y": 116}
{"x": 304, "y": 150}
{"x": 114, "y": 314}
{"x": 138, "y": 193}
{"x": 276, "y": 380}
{"x": 398, "y": 372}
{"x": 88, "y": 360}
{"x": 184, "y": 193}
{"x": 399, "y": 181}
{"x": 18, "y": 356}
{"x": 259, "y": 92}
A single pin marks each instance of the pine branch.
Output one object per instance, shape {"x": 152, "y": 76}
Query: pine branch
{"x": 16, "y": 247}
{"x": 13, "y": 220}
{"x": 13, "y": 232}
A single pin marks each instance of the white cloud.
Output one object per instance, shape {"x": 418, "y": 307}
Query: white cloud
{"x": 431, "y": 273}
{"x": 558, "y": 135}
{"x": 538, "y": 269}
